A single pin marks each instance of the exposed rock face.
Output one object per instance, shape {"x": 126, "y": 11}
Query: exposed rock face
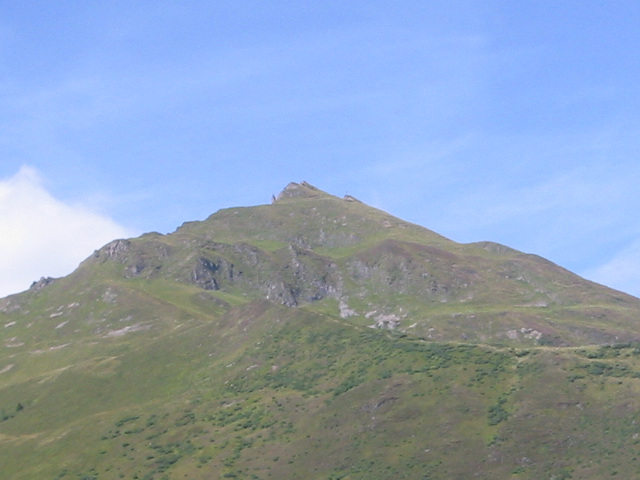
{"x": 204, "y": 274}
{"x": 116, "y": 250}
{"x": 43, "y": 282}
{"x": 289, "y": 276}
{"x": 298, "y": 190}
{"x": 142, "y": 257}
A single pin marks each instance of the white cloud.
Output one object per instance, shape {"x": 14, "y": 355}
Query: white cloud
{"x": 41, "y": 235}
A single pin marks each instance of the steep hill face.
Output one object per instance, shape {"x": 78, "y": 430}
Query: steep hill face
{"x": 343, "y": 258}
{"x": 316, "y": 337}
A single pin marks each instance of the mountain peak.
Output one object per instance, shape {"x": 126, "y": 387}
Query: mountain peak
{"x": 205, "y": 352}
{"x": 299, "y": 190}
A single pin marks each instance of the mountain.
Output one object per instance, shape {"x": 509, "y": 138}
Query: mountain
{"x": 317, "y": 337}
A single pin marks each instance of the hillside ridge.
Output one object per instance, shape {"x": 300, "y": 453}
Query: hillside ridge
{"x": 336, "y": 255}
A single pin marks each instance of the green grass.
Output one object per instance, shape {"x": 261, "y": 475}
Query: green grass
{"x": 128, "y": 368}
{"x": 280, "y": 398}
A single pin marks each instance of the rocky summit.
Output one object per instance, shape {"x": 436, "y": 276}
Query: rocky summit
{"x": 317, "y": 337}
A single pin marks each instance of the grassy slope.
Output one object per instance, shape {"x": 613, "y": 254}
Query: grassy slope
{"x": 270, "y": 392}
{"x": 108, "y": 374}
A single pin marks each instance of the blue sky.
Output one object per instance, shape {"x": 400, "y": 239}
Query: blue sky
{"x": 517, "y": 122}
